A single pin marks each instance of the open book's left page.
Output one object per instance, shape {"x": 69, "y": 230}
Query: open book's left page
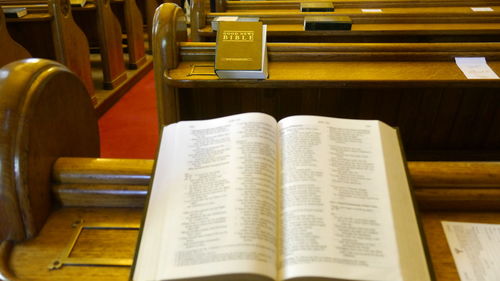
{"x": 212, "y": 207}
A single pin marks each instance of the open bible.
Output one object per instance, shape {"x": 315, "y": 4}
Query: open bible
{"x": 245, "y": 197}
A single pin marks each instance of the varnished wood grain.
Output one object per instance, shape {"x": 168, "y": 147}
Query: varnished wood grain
{"x": 400, "y": 21}
{"x": 72, "y": 48}
{"x": 11, "y": 50}
{"x": 124, "y": 182}
{"x": 46, "y": 113}
{"x": 295, "y": 4}
{"x": 30, "y": 260}
{"x": 109, "y": 31}
{"x": 135, "y": 34}
{"x": 169, "y": 27}
{"x": 410, "y": 86}
{"x": 68, "y": 41}
{"x": 102, "y": 171}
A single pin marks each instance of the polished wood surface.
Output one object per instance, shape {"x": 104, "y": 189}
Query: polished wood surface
{"x": 224, "y": 5}
{"x": 110, "y": 193}
{"x": 30, "y": 260}
{"x": 109, "y": 31}
{"x": 72, "y": 48}
{"x": 169, "y": 27}
{"x": 11, "y": 50}
{"x": 416, "y": 87}
{"x": 81, "y": 182}
{"x": 135, "y": 35}
{"x": 101, "y": 182}
{"x": 400, "y": 21}
{"x": 38, "y": 127}
{"x": 52, "y": 33}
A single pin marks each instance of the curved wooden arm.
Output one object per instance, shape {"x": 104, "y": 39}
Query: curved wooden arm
{"x": 45, "y": 113}
{"x": 169, "y": 27}
{"x": 124, "y": 183}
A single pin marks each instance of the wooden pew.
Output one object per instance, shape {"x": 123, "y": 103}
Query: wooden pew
{"x": 104, "y": 197}
{"x": 54, "y": 35}
{"x": 127, "y": 12}
{"x": 233, "y": 6}
{"x": 131, "y": 20}
{"x": 422, "y": 24}
{"x": 148, "y": 8}
{"x": 102, "y": 29}
{"x": 416, "y": 87}
{"x": 11, "y": 50}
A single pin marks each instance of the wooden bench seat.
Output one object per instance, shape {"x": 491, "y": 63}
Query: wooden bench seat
{"x": 60, "y": 193}
{"x": 417, "y": 87}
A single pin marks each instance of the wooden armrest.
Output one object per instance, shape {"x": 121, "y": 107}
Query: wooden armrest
{"x": 124, "y": 183}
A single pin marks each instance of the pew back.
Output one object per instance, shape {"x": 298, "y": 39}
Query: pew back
{"x": 38, "y": 126}
{"x": 11, "y": 50}
{"x": 50, "y": 32}
{"x": 416, "y": 87}
{"x": 400, "y": 21}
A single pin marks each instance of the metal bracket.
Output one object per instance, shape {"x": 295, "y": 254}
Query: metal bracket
{"x": 79, "y": 226}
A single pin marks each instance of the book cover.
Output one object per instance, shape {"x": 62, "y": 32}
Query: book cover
{"x": 316, "y": 7}
{"x": 80, "y": 3}
{"x": 217, "y": 20}
{"x": 239, "y": 46}
{"x": 327, "y": 23}
{"x": 15, "y": 12}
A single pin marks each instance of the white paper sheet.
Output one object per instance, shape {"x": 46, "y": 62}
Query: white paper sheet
{"x": 476, "y": 68}
{"x": 475, "y": 248}
{"x": 482, "y": 9}
{"x": 371, "y": 10}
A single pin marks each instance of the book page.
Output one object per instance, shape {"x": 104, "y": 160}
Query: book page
{"x": 335, "y": 207}
{"x": 222, "y": 205}
{"x": 219, "y": 199}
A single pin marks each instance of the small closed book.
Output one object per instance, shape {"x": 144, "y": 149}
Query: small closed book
{"x": 15, "y": 12}
{"x": 241, "y": 51}
{"x": 327, "y": 23}
{"x": 316, "y": 7}
{"x": 80, "y": 3}
{"x": 217, "y": 20}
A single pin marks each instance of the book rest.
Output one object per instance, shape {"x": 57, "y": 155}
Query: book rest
{"x": 46, "y": 181}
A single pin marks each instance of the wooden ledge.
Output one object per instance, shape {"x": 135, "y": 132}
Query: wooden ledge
{"x": 124, "y": 183}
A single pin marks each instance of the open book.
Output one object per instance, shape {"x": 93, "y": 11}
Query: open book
{"x": 247, "y": 198}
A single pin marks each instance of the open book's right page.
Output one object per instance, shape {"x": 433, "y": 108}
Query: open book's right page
{"x": 336, "y": 204}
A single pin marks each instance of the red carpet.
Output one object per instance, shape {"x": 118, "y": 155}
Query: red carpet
{"x": 130, "y": 128}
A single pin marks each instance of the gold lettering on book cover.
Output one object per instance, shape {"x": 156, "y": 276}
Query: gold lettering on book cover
{"x": 238, "y": 36}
